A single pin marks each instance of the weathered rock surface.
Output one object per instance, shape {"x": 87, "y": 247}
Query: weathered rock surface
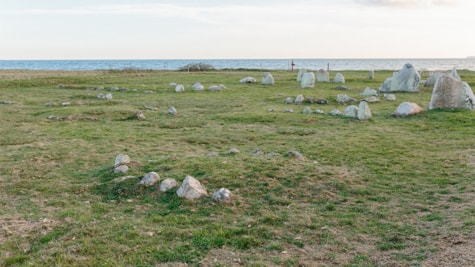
{"x": 219, "y": 87}
{"x": 150, "y": 179}
{"x": 223, "y": 195}
{"x": 323, "y": 76}
{"x": 339, "y": 78}
{"x": 405, "y": 80}
{"x": 299, "y": 99}
{"x": 451, "y": 93}
{"x": 191, "y": 189}
{"x": 369, "y": 92}
{"x": 121, "y": 159}
{"x": 351, "y": 111}
{"x": 364, "y": 113}
{"x": 335, "y": 112}
{"x": 172, "y": 110}
{"x": 140, "y": 116}
{"x": 108, "y": 96}
{"x": 121, "y": 169}
{"x": 267, "y": 79}
{"x": 307, "y": 111}
{"x": 289, "y": 100}
{"x": 308, "y": 80}
{"x": 168, "y": 184}
{"x": 343, "y": 98}
{"x": 198, "y": 87}
{"x": 407, "y": 109}
{"x": 248, "y": 80}
{"x": 390, "y": 97}
{"x": 180, "y": 88}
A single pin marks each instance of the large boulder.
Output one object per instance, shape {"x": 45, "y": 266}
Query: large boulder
{"x": 407, "y": 109}
{"x": 323, "y": 76}
{"x": 451, "y": 93}
{"x": 339, "y": 78}
{"x": 191, "y": 189}
{"x": 308, "y": 80}
{"x": 267, "y": 79}
{"x": 364, "y": 113}
{"x": 351, "y": 111}
{"x": 405, "y": 80}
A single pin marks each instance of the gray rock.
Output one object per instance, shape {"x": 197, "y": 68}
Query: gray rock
{"x": 65, "y": 104}
{"x": 407, "y": 109}
{"x": 319, "y": 111}
{"x": 172, "y": 110}
{"x": 198, "y": 87}
{"x": 180, "y": 88}
{"x": 223, "y": 195}
{"x": 50, "y": 104}
{"x": 299, "y": 99}
{"x": 371, "y": 99}
{"x": 100, "y": 88}
{"x": 308, "y": 80}
{"x": 273, "y": 154}
{"x": 191, "y": 189}
{"x": 248, "y": 80}
{"x": 114, "y": 89}
{"x": 219, "y": 87}
{"x": 406, "y": 80}
{"x": 267, "y": 79}
{"x": 6, "y": 102}
{"x": 172, "y": 84}
{"x": 233, "y": 151}
{"x": 212, "y": 154}
{"x": 307, "y": 111}
{"x": 100, "y": 96}
{"x": 335, "y": 112}
{"x": 288, "y": 110}
{"x": 140, "y": 116}
{"x": 369, "y": 92}
{"x": 364, "y": 112}
{"x": 351, "y": 112}
{"x": 343, "y": 98}
{"x": 168, "y": 184}
{"x": 289, "y": 100}
{"x": 323, "y": 76}
{"x": 296, "y": 155}
{"x": 121, "y": 169}
{"x": 390, "y": 97}
{"x": 451, "y": 93}
{"x": 121, "y": 159}
{"x": 341, "y": 87}
{"x": 339, "y": 78}
{"x": 150, "y": 179}
{"x": 108, "y": 96}
{"x": 124, "y": 89}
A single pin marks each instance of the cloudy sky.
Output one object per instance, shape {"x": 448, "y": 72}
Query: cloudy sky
{"x": 217, "y": 29}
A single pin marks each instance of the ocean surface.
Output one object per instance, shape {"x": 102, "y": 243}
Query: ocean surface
{"x": 264, "y": 64}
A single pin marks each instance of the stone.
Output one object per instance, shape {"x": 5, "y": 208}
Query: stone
{"x": 339, "y": 78}
{"x": 219, "y": 87}
{"x": 124, "y": 89}
{"x": 121, "y": 159}
{"x": 223, "y": 195}
{"x": 433, "y": 77}
{"x": 319, "y": 111}
{"x": 150, "y": 179}
{"x": 168, "y": 184}
{"x": 405, "y": 80}
{"x": 371, "y": 99}
{"x": 108, "y": 96}
{"x": 341, "y": 87}
{"x": 390, "y": 97}
{"x": 197, "y": 87}
{"x": 307, "y": 111}
{"x": 191, "y": 189}
{"x": 300, "y": 74}
{"x": 65, "y": 104}
{"x": 299, "y": 99}
{"x": 172, "y": 110}
{"x": 114, "y": 89}
{"x": 343, "y": 98}
{"x": 121, "y": 169}
{"x": 451, "y": 93}
{"x": 288, "y": 110}
{"x": 323, "y": 76}
{"x": 100, "y": 96}
{"x": 351, "y": 112}
{"x": 248, "y": 80}
{"x": 180, "y": 88}
{"x": 369, "y": 92}
{"x": 308, "y": 80}
{"x": 233, "y": 151}
{"x": 309, "y": 100}
{"x": 371, "y": 75}
{"x": 172, "y": 84}
{"x": 296, "y": 155}
{"x": 335, "y": 112}
{"x": 289, "y": 100}
{"x": 100, "y": 88}
{"x": 407, "y": 109}
{"x": 455, "y": 74}
{"x": 140, "y": 116}
{"x": 322, "y": 101}
{"x": 364, "y": 113}
{"x": 267, "y": 79}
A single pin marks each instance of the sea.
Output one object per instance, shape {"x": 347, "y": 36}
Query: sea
{"x": 432, "y": 64}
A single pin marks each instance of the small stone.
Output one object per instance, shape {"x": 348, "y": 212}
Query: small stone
{"x": 219, "y": 87}
{"x": 351, "y": 111}
{"x": 273, "y": 154}
{"x": 168, "y": 184}
{"x": 339, "y": 78}
{"x": 307, "y": 111}
{"x": 319, "y": 111}
{"x": 223, "y": 195}
{"x": 233, "y": 151}
{"x": 121, "y": 169}
{"x": 191, "y": 189}
{"x": 198, "y": 87}
{"x": 296, "y": 155}
{"x": 299, "y": 99}
{"x": 371, "y": 99}
{"x": 150, "y": 179}
{"x": 114, "y": 89}
{"x": 140, "y": 116}
{"x": 343, "y": 88}
{"x": 369, "y": 92}
{"x": 289, "y": 100}
{"x": 108, "y": 96}
{"x": 180, "y": 88}
{"x": 257, "y": 152}
{"x": 65, "y": 104}
{"x": 335, "y": 112}
{"x": 212, "y": 154}
{"x": 172, "y": 110}
{"x": 343, "y": 98}
{"x": 288, "y": 110}
{"x": 100, "y": 96}
{"x": 248, "y": 80}
{"x": 407, "y": 109}
{"x": 390, "y": 97}
{"x": 121, "y": 159}
{"x": 50, "y": 104}
{"x": 100, "y": 88}
{"x": 172, "y": 84}
{"x": 322, "y": 101}
{"x": 6, "y": 102}
{"x": 364, "y": 113}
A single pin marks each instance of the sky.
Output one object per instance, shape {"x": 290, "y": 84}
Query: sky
{"x": 221, "y": 29}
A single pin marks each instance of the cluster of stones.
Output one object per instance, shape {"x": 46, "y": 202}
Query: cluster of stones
{"x": 197, "y": 87}
{"x": 190, "y": 188}
{"x": 307, "y": 78}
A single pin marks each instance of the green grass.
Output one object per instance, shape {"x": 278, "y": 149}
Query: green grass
{"x": 373, "y": 193}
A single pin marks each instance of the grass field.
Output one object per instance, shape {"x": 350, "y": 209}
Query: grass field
{"x": 384, "y": 192}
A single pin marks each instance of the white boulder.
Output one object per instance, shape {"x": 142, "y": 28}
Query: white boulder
{"x": 369, "y": 92}
{"x": 248, "y": 80}
{"x": 407, "y": 109}
{"x": 351, "y": 111}
{"x": 308, "y": 80}
{"x": 339, "y": 78}
{"x": 198, "y": 87}
{"x": 219, "y": 87}
{"x": 180, "y": 88}
{"x": 451, "y": 93}
{"x": 121, "y": 159}
{"x": 323, "y": 76}
{"x": 405, "y": 80}
{"x": 299, "y": 99}
{"x": 168, "y": 184}
{"x": 267, "y": 79}
{"x": 364, "y": 113}
{"x": 150, "y": 179}
{"x": 191, "y": 189}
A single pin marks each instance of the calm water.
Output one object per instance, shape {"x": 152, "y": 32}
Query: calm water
{"x": 271, "y": 64}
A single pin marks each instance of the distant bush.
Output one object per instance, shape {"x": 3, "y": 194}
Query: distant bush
{"x": 197, "y": 67}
